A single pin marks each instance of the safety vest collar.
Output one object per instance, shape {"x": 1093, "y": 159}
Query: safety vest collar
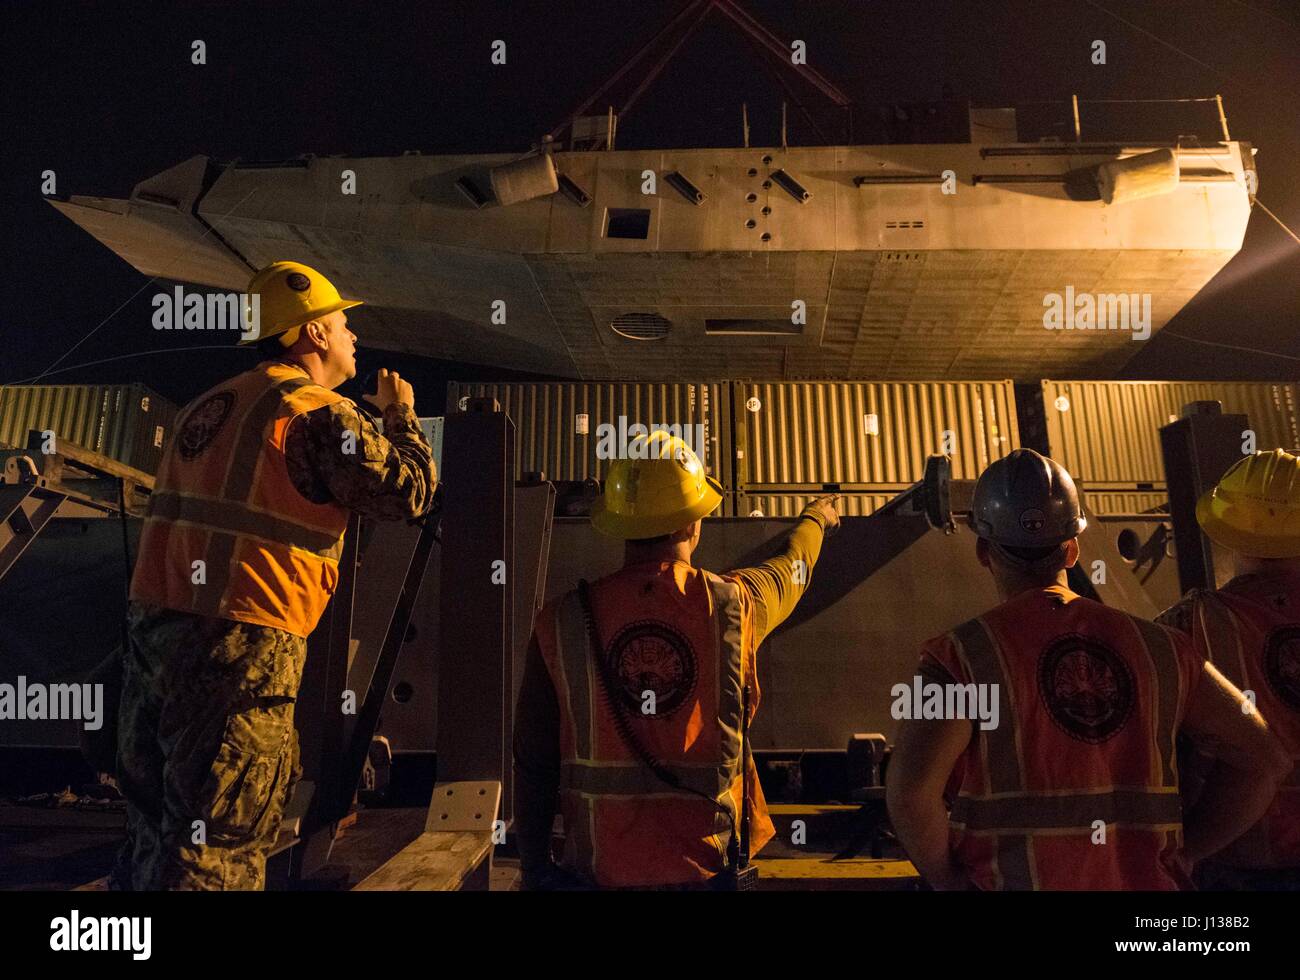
{"x": 282, "y": 370}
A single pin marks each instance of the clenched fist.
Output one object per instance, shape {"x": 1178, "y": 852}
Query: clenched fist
{"x": 390, "y": 389}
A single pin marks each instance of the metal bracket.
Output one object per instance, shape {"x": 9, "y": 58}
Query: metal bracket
{"x": 936, "y": 497}
{"x": 864, "y": 755}
{"x": 470, "y": 805}
{"x": 21, "y": 470}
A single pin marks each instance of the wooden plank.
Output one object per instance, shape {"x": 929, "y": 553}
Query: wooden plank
{"x": 93, "y": 462}
{"x": 822, "y": 874}
{"x": 439, "y": 861}
{"x": 820, "y": 868}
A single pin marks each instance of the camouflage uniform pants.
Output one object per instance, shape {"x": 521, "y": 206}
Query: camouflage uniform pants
{"x": 207, "y": 752}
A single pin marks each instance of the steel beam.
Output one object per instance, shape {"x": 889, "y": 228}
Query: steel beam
{"x": 477, "y": 576}
{"x": 1197, "y": 450}
{"x": 319, "y": 716}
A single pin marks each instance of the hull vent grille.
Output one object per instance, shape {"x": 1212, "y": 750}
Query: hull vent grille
{"x": 641, "y": 326}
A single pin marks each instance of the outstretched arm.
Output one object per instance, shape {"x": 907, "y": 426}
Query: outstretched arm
{"x": 777, "y": 585}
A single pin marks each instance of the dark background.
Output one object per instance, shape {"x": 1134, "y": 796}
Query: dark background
{"x": 105, "y": 95}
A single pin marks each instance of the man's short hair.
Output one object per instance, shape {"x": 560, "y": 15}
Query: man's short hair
{"x": 1032, "y": 554}
{"x": 1033, "y": 562}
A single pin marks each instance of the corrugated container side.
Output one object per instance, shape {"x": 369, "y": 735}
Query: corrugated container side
{"x": 792, "y": 504}
{"x": 129, "y": 423}
{"x": 548, "y": 417}
{"x": 1107, "y": 432}
{"x": 72, "y": 413}
{"x": 155, "y": 420}
{"x": 1114, "y": 503}
{"x": 1103, "y": 504}
{"x": 868, "y": 433}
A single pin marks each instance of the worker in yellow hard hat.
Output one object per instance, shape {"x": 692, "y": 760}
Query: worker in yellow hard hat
{"x": 637, "y": 690}
{"x": 1250, "y": 629}
{"x": 238, "y": 559}
{"x": 283, "y": 298}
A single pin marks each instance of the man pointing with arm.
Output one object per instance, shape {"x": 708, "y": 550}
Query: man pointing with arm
{"x": 676, "y": 673}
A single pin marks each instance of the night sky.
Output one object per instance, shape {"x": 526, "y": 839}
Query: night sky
{"x": 105, "y": 95}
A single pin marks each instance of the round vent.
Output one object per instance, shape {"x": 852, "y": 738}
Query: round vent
{"x": 641, "y": 326}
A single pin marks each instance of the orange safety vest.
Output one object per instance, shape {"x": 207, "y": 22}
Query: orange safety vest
{"x": 1250, "y": 630}
{"x": 223, "y": 497}
{"x": 686, "y": 635}
{"x": 1089, "y": 702}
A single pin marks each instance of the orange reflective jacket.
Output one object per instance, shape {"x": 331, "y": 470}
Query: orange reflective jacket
{"x": 1250, "y": 629}
{"x": 227, "y": 533}
{"x": 1077, "y": 785}
{"x": 679, "y": 642}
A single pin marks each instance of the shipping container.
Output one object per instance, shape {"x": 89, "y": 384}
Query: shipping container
{"x": 571, "y": 431}
{"x": 775, "y": 505}
{"x": 129, "y": 423}
{"x": 1116, "y": 503}
{"x": 868, "y": 435}
{"x": 1107, "y": 433}
{"x": 1102, "y": 503}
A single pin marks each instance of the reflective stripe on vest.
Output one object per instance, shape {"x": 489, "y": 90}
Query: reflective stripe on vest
{"x": 1222, "y": 639}
{"x": 269, "y": 556}
{"x": 1013, "y": 814}
{"x": 223, "y": 516}
{"x": 599, "y": 771}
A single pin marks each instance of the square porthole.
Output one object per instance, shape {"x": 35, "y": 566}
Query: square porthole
{"x": 627, "y": 223}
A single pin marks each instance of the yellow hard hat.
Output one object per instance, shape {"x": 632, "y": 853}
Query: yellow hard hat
{"x": 1255, "y": 509}
{"x": 660, "y": 488}
{"x": 291, "y": 294}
